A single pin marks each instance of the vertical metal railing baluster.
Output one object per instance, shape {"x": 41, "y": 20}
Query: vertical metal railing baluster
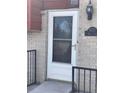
{"x": 90, "y": 82}
{"x": 32, "y": 59}
{"x": 73, "y": 80}
{"x": 84, "y": 80}
{"x": 78, "y": 80}
{"x": 96, "y": 83}
{"x": 35, "y": 67}
{"x": 28, "y": 68}
{"x": 31, "y": 69}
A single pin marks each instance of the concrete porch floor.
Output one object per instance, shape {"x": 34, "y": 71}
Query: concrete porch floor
{"x": 32, "y": 87}
{"x": 52, "y": 87}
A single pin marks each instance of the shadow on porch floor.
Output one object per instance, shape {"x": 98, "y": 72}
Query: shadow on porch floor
{"x": 51, "y": 87}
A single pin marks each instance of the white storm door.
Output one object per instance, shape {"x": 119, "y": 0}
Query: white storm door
{"x": 62, "y": 32}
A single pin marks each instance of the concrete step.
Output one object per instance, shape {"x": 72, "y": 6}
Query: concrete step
{"x": 53, "y": 87}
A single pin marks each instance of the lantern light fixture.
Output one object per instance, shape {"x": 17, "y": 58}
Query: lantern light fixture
{"x": 89, "y": 10}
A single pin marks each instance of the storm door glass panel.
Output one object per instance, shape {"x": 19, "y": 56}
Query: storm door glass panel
{"x": 62, "y": 27}
{"x": 62, "y": 39}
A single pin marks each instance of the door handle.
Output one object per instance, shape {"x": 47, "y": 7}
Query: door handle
{"x": 74, "y": 46}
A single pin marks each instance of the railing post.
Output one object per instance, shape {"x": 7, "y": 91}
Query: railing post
{"x": 35, "y": 67}
{"x": 73, "y": 80}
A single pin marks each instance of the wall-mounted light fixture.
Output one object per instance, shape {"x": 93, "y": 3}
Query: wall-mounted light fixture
{"x": 89, "y": 10}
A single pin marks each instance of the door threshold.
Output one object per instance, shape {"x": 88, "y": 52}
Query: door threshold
{"x": 49, "y": 79}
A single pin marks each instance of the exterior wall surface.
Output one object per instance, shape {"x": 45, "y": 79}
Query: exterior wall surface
{"x": 38, "y": 41}
{"x": 59, "y": 4}
{"x": 86, "y": 47}
{"x": 33, "y": 15}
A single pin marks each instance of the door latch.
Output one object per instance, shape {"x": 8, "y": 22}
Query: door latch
{"x": 74, "y": 46}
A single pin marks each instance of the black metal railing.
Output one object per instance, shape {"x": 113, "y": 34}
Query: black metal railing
{"x": 31, "y": 67}
{"x": 84, "y": 80}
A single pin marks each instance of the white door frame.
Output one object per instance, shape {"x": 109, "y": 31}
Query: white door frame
{"x": 67, "y": 67}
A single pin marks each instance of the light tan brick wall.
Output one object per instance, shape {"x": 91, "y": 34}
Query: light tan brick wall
{"x": 87, "y": 45}
{"x": 38, "y": 41}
